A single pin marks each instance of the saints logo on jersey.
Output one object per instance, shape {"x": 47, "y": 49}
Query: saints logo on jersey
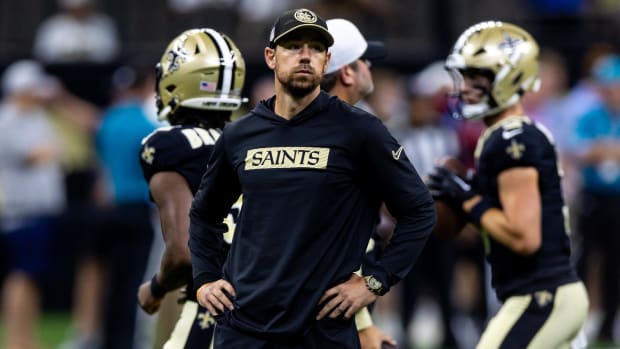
{"x": 515, "y": 150}
{"x": 543, "y": 298}
{"x": 148, "y": 155}
{"x": 205, "y": 320}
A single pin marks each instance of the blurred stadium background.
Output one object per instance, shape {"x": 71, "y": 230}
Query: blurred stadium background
{"x": 416, "y": 33}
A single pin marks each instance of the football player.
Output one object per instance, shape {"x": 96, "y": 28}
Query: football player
{"x": 515, "y": 197}
{"x": 199, "y": 82}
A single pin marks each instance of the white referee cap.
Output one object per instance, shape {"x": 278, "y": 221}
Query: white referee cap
{"x": 350, "y": 45}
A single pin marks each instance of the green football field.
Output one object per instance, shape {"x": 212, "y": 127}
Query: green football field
{"x": 53, "y": 329}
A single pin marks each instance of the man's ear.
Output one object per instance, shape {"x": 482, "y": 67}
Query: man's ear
{"x": 270, "y": 57}
{"x": 347, "y": 75}
{"x": 328, "y": 57}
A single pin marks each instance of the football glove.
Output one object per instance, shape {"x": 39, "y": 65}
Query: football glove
{"x": 447, "y": 186}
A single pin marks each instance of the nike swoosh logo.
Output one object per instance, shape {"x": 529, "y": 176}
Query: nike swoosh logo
{"x": 396, "y": 154}
{"x": 507, "y": 134}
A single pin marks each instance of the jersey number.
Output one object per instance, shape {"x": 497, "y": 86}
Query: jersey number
{"x": 197, "y": 137}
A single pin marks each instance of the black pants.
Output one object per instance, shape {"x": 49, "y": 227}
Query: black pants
{"x": 123, "y": 243}
{"x": 599, "y": 225}
{"x": 432, "y": 275}
{"x": 324, "y": 334}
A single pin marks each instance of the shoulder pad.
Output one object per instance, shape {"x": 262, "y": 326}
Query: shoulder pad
{"x": 515, "y": 142}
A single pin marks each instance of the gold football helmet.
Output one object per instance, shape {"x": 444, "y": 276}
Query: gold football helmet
{"x": 200, "y": 69}
{"x": 503, "y": 51}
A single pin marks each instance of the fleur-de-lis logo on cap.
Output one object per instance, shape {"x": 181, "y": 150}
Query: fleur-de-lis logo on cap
{"x": 305, "y": 16}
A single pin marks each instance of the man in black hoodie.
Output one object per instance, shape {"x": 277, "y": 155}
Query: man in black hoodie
{"x": 313, "y": 172}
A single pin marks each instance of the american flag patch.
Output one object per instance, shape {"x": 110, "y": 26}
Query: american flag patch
{"x": 207, "y": 86}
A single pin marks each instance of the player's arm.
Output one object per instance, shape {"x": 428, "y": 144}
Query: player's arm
{"x": 173, "y": 197}
{"x": 371, "y": 336}
{"x": 518, "y": 224}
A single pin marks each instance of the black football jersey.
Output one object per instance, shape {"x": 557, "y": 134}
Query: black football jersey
{"x": 184, "y": 149}
{"x": 520, "y": 142}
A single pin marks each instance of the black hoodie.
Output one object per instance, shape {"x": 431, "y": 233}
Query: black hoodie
{"x": 312, "y": 187}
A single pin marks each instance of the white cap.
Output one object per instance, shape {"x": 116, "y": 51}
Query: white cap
{"x": 26, "y": 75}
{"x": 430, "y": 80}
{"x": 350, "y": 45}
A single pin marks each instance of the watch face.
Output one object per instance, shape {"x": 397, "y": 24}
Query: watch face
{"x": 374, "y": 283}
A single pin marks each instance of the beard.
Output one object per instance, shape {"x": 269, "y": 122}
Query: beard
{"x": 368, "y": 89}
{"x": 299, "y": 86}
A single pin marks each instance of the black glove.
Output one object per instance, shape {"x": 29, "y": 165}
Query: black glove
{"x": 447, "y": 186}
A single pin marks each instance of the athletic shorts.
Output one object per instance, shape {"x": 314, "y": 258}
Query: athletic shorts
{"x": 544, "y": 319}
{"x": 193, "y": 330}
{"x": 29, "y": 247}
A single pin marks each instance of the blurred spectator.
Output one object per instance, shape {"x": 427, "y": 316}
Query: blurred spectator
{"x": 31, "y": 195}
{"x": 76, "y": 122}
{"x": 263, "y": 10}
{"x": 187, "y": 6}
{"x": 77, "y": 34}
{"x": 548, "y": 106}
{"x": 129, "y": 232}
{"x": 388, "y": 101}
{"x": 583, "y": 96}
{"x": 429, "y": 136}
{"x": 545, "y": 106}
{"x": 597, "y": 138}
{"x": 427, "y": 140}
{"x": 115, "y": 254}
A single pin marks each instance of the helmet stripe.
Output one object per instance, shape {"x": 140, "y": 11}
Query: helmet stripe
{"x": 234, "y": 68}
{"x": 224, "y": 83}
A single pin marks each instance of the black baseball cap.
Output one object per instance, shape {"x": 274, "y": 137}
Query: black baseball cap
{"x": 296, "y": 19}
{"x": 376, "y": 50}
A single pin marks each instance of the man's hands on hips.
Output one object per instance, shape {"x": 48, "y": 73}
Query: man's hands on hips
{"x": 215, "y": 296}
{"x": 149, "y": 303}
{"x": 346, "y": 298}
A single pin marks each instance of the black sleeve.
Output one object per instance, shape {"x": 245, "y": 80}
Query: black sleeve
{"x": 516, "y": 147}
{"x": 407, "y": 199}
{"x": 219, "y": 189}
{"x": 163, "y": 150}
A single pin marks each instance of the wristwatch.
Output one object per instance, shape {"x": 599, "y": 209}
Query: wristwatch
{"x": 373, "y": 285}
